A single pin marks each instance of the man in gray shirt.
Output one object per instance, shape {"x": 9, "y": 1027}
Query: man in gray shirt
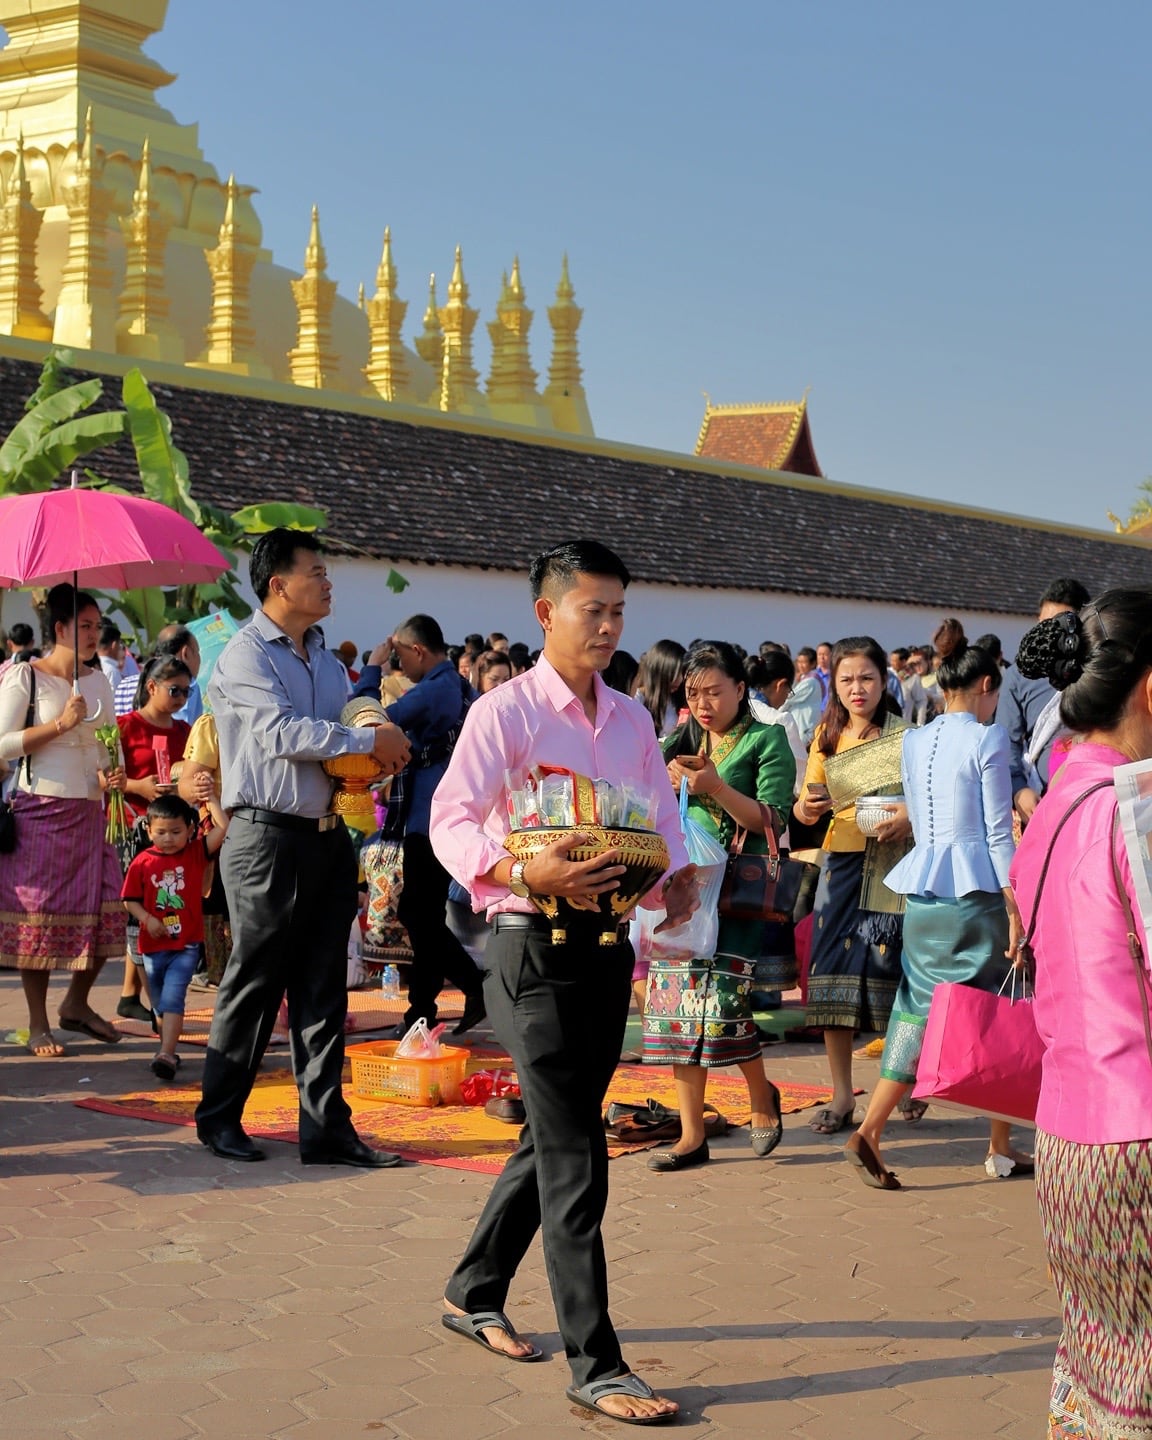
{"x": 288, "y": 866}
{"x": 1022, "y": 702}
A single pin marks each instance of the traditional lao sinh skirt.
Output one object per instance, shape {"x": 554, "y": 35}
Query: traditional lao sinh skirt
{"x": 60, "y": 888}
{"x": 1096, "y": 1210}
{"x": 699, "y": 1012}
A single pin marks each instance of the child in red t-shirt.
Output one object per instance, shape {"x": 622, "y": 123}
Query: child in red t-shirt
{"x": 164, "y": 891}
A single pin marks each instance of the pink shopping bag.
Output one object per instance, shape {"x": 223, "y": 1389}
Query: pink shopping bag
{"x": 981, "y": 1054}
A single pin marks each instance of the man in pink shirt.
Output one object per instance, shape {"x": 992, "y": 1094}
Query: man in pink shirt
{"x": 558, "y": 1009}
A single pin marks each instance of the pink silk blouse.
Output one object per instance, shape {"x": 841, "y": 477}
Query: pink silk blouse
{"x": 535, "y": 719}
{"x": 1097, "y": 1077}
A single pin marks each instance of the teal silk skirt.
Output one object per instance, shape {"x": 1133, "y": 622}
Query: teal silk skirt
{"x": 959, "y": 942}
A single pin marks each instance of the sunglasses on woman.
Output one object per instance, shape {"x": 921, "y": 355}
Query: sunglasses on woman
{"x": 180, "y": 692}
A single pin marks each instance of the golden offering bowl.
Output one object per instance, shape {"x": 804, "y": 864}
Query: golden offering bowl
{"x": 356, "y": 772}
{"x": 643, "y": 852}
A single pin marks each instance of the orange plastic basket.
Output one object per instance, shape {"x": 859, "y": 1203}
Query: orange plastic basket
{"x": 379, "y": 1074}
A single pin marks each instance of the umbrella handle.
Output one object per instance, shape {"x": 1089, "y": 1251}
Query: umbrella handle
{"x": 91, "y": 719}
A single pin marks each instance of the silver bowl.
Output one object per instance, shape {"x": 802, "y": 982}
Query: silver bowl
{"x": 872, "y": 810}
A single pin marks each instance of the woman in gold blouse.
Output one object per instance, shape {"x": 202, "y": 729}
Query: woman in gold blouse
{"x": 855, "y": 964}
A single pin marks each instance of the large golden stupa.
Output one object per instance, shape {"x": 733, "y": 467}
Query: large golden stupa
{"x": 118, "y": 236}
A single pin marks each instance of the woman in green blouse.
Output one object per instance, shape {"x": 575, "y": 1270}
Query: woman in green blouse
{"x": 698, "y": 1012}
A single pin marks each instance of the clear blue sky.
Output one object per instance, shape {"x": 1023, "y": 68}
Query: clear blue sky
{"x": 936, "y": 216}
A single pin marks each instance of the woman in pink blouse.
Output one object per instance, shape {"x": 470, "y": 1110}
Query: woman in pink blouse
{"x": 1094, "y": 1120}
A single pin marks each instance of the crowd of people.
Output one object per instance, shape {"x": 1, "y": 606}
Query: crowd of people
{"x": 1003, "y": 794}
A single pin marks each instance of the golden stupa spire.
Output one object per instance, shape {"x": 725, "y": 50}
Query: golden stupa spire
{"x": 512, "y": 379}
{"x": 459, "y": 382}
{"x": 85, "y": 312}
{"x": 313, "y": 362}
{"x": 430, "y": 341}
{"x": 20, "y": 222}
{"x": 143, "y": 327}
{"x": 387, "y": 368}
{"x": 230, "y": 339}
{"x": 564, "y": 394}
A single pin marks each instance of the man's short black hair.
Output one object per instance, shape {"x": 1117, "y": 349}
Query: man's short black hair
{"x": 20, "y": 635}
{"x": 422, "y": 630}
{"x": 171, "y": 807}
{"x": 558, "y": 567}
{"x": 275, "y": 554}
{"x": 1065, "y": 591}
{"x": 109, "y": 632}
{"x": 807, "y": 652}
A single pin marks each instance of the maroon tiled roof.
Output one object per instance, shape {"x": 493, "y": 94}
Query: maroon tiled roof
{"x": 771, "y": 437}
{"x": 436, "y": 495}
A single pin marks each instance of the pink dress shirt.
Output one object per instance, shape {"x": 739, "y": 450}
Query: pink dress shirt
{"x": 1097, "y": 1078}
{"x": 535, "y": 719}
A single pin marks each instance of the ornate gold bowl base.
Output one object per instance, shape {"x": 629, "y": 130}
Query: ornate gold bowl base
{"x": 643, "y": 852}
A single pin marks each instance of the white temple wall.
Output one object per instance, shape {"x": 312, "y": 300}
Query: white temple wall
{"x": 466, "y": 600}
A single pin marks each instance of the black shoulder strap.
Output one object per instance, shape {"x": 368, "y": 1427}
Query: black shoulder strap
{"x": 29, "y": 721}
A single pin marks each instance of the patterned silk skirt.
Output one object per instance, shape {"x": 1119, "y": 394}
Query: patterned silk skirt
{"x": 1096, "y": 1210}
{"x": 961, "y": 942}
{"x": 855, "y": 964}
{"x": 699, "y": 1012}
{"x": 60, "y": 888}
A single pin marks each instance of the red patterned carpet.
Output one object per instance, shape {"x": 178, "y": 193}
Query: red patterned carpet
{"x": 460, "y": 1137}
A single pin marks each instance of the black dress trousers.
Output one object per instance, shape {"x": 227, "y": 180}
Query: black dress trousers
{"x": 292, "y": 897}
{"x": 436, "y": 952}
{"x": 560, "y": 1012}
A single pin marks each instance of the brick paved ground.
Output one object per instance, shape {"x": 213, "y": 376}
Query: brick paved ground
{"x": 150, "y": 1290}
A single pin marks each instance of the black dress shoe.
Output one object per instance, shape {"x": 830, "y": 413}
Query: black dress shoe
{"x": 673, "y": 1160}
{"x": 474, "y": 1011}
{"x": 352, "y": 1152}
{"x": 231, "y": 1143}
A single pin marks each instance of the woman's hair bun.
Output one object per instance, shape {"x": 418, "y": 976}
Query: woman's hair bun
{"x": 1052, "y": 651}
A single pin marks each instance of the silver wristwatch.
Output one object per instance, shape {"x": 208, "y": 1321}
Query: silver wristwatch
{"x": 516, "y": 881}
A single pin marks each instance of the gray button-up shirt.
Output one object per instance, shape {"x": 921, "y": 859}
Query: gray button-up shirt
{"x": 276, "y": 716}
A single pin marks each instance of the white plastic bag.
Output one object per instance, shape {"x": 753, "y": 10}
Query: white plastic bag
{"x": 420, "y": 1043}
{"x": 696, "y": 938}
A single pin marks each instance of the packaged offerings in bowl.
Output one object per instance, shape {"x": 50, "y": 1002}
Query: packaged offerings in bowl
{"x": 551, "y": 799}
{"x": 873, "y": 810}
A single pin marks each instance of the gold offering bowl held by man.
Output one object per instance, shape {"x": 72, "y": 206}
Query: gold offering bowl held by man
{"x": 643, "y": 852}
{"x": 354, "y": 773}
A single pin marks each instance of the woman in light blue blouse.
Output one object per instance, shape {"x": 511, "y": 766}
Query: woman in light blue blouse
{"x": 962, "y": 925}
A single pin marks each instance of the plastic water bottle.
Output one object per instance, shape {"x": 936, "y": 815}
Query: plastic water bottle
{"x": 390, "y": 983}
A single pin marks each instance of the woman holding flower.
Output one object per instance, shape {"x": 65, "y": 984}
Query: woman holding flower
{"x": 59, "y": 888}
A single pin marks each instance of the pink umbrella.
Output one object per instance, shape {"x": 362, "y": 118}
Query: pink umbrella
{"x": 114, "y": 542}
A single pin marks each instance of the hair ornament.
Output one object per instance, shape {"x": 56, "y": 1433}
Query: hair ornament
{"x": 1051, "y": 650}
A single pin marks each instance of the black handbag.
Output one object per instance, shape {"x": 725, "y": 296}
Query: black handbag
{"x": 7, "y": 816}
{"x": 761, "y": 887}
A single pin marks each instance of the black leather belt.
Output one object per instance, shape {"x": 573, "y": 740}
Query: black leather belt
{"x": 584, "y": 926}
{"x": 307, "y": 824}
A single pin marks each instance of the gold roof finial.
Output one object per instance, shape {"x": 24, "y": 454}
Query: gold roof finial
{"x": 387, "y": 368}
{"x": 511, "y": 380}
{"x": 315, "y": 260}
{"x": 564, "y": 393}
{"x": 143, "y": 327}
{"x": 313, "y": 362}
{"x": 21, "y": 298}
{"x": 230, "y": 338}
{"x": 430, "y": 342}
{"x": 386, "y": 274}
{"x": 459, "y": 382}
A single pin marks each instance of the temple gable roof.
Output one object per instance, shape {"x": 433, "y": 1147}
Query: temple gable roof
{"x": 771, "y": 437}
